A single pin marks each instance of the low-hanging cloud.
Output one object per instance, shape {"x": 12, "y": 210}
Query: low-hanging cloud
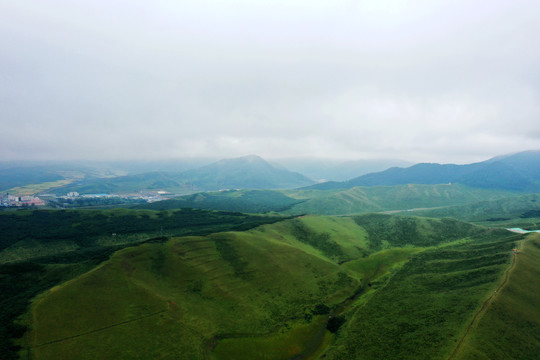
{"x": 447, "y": 81}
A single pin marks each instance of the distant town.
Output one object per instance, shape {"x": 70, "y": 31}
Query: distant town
{"x": 8, "y": 200}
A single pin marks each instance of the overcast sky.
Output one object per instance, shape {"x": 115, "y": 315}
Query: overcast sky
{"x": 425, "y": 81}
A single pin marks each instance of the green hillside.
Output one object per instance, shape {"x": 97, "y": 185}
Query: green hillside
{"x": 516, "y": 211}
{"x": 333, "y": 202}
{"x": 41, "y": 249}
{"x": 248, "y": 201}
{"x": 425, "y": 306}
{"x": 385, "y": 198}
{"x": 293, "y": 289}
{"x": 510, "y": 326}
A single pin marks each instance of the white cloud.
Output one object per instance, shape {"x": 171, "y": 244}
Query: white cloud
{"x": 426, "y": 81}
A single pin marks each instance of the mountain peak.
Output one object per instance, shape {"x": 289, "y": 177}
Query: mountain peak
{"x": 252, "y": 157}
{"x": 248, "y": 172}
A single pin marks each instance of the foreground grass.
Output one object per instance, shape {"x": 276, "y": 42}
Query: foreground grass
{"x": 422, "y": 309}
{"x": 510, "y": 328}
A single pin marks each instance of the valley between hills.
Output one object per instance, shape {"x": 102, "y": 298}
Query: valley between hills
{"x": 266, "y": 273}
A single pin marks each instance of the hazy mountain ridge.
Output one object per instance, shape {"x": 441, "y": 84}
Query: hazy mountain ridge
{"x": 249, "y": 172}
{"x": 336, "y": 170}
{"x": 516, "y": 172}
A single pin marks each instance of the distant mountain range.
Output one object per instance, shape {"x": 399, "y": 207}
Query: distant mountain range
{"x": 518, "y": 172}
{"x": 515, "y": 172}
{"x": 337, "y": 170}
{"x": 248, "y": 172}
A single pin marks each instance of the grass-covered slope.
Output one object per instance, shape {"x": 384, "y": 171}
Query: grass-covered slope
{"x": 385, "y": 198}
{"x": 512, "y": 211}
{"x": 247, "y": 201}
{"x": 40, "y": 249}
{"x": 425, "y": 306}
{"x": 333, "y": 202}
{"x": 275, "y": 291}
{"x": 179, "y": 299}
{"x": 510, "y": 327}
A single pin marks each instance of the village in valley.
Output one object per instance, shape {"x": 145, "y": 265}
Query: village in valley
{"x": 73, "y": 198}
{"x": 7, "y": 200}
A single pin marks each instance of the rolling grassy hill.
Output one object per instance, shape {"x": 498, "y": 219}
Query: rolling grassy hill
{"x": 510, "y": 326}
{"x": 292, "y": 289}
{"x": 516, "y": 211}
{"x": 425, "y": 306}
{"x": 386, "y": 198}
{"x": 247, "y": 201}
{"x": 41, "y": 249}
{"x": 333, "y": 202}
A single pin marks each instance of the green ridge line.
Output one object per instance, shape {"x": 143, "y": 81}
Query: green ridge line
{"x": 484, "y": 307}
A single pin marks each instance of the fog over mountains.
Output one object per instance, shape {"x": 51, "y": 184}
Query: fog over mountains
{"x": 514, "y": 172}
{"x": 248, "y": 172}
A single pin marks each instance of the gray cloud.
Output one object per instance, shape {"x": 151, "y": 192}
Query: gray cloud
{"x": 446, "y": 81}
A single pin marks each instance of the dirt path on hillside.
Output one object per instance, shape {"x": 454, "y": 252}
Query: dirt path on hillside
{"x": 478, "y": 315}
